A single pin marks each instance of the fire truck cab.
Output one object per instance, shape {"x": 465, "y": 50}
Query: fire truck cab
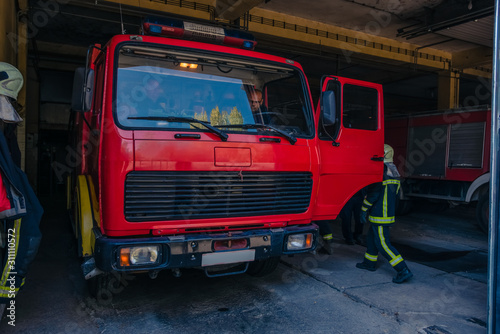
{"x": 183, "y": 165}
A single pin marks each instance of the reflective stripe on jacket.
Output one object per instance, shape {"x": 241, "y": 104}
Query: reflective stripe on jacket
{"x": 21, "y": 222}
{"x": 381, "y": 200}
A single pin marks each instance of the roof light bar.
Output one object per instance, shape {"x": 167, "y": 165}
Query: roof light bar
{"x": 199, "y": 32}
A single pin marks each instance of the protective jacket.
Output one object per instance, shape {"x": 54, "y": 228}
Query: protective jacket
{"x": 380, "y": 200}
{"x": 20, "y": 215}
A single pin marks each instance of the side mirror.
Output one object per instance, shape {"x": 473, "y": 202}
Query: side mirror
{"x": 329, "y": 106}
{"x": 83, "y": 89}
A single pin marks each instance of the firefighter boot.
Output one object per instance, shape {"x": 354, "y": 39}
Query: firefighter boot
{"x": 402, "y": 275}
{"x": 326, "y": 243}
{"x": 359, "y": 240}
{"x": 370, "y": 266}
{"x": 328, "y": 246}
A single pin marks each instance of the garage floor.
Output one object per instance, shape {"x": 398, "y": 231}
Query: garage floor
{"x": 311, "y": 293}
{"x": 448, "y": 241}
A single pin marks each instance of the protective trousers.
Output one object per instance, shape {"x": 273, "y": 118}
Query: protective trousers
{"x": 325, "y": 230}
{"x": 350, "y": 209}
{"x": 377, "y": 240}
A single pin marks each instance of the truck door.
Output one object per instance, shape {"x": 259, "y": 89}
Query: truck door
{"x": 350, "y": 139}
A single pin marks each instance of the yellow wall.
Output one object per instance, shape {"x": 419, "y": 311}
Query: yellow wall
{"x": 7, "y": 29}
{"x": 168, "y": 8}
{"x": 448, "y": 89}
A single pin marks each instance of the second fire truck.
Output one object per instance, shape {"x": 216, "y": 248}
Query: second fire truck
{"x": 444, "y": 156}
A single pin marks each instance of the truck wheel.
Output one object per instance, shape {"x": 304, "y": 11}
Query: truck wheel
{"x": 95, "y": 284}
{"x": 263, "y": 267}
{"x": 483, "y": 212}
{"x": 102, "y": 287}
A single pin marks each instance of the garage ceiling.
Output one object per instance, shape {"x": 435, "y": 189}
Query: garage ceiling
{"x": 423, "y": 22}
{"x": 461, "y": 28}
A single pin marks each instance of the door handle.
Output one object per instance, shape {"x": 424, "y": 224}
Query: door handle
{"x": 377, "y": 158}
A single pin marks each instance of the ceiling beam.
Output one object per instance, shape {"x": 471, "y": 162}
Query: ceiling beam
{"x": 482, "y": 56}
{"x": 349, "y": 44}
{"x": 198, "y": 9}
{"x": 233, "y": 9}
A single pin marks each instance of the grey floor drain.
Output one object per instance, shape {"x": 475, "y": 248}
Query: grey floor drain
{"x": 435, "y": 330}
{"x": 477, "y": 321}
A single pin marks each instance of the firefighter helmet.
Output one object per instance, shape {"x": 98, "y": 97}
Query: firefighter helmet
{"x": 388, "y": 153}
{"x": 11, "y": 80}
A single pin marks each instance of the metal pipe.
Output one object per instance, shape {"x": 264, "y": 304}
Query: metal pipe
{"x": 493, "y": 325}
{"x": 432, "y": 28}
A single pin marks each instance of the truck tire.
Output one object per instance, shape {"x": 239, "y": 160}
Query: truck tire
{"x": 96, "y": 284}
{"x": 483, "y": 212}
{"x": 263, "y": 267}
{"x": 103, "y": 287}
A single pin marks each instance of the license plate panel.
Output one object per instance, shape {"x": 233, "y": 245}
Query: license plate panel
{"x": 212, "y": 259}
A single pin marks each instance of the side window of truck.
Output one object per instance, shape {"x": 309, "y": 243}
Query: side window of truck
{"x": 360, "y": 107}
{"x": 99, "y": 86}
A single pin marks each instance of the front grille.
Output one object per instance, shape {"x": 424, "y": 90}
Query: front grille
{"x": 153, "y": 196}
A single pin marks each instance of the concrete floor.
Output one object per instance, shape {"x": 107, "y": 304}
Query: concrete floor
{"x": 310, "y": 293}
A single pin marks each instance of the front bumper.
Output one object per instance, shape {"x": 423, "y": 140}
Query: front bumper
{"x": 197, "y": 250}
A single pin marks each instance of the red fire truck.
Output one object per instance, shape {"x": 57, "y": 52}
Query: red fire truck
{"x": 444, "y": 156}
{"x": 179, "y": 169}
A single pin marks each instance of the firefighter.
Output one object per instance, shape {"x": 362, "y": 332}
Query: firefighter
{"x": 11, "y": 82}
{"x": 379, "y": 209}
{"x": 259, "y": 110}
{"x": 326, "y": 237}
{"x": 20, "y": 210}
{"x": 352, "y": 209}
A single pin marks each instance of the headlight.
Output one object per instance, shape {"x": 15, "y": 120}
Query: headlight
{"x": 140, "y": 255}
{"x": 299, "y": 241}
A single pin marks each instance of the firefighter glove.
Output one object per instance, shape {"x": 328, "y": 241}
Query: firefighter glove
{"x": 363, "y": 217}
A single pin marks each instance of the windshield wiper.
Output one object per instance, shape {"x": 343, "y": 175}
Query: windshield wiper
{"x": 223, "y": 136}
{"x": 288, "y": 136}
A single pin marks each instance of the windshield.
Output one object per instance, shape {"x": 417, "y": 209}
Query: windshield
{"x": 155, "y": 84}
